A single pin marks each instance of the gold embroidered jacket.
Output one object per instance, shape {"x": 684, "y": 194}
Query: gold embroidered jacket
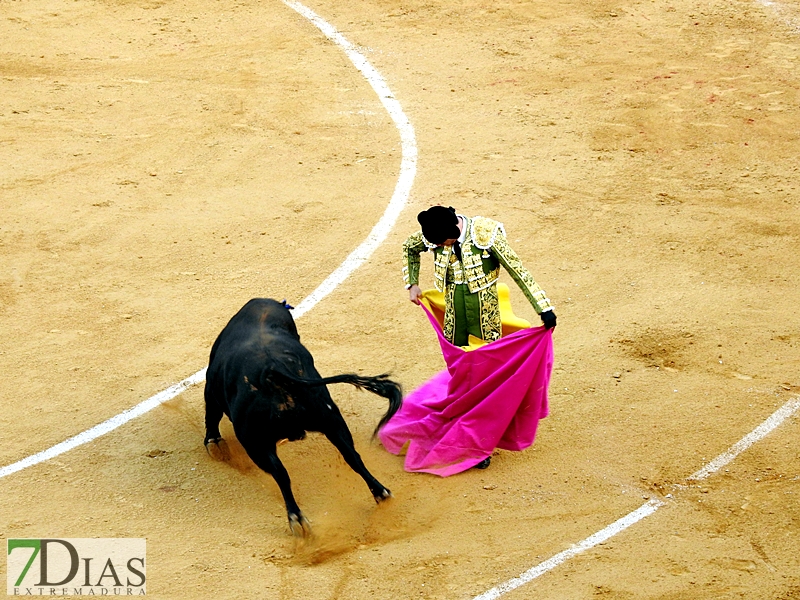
{"x": 484, "y": 250}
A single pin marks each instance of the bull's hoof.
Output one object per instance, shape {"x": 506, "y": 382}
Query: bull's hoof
{"x": 382, "y": 495}
{"x": 217, "y": 449}
{"x": 300, "y": 526}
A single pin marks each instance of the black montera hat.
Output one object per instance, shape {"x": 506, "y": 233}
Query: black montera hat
{"x": 439, "y": 223}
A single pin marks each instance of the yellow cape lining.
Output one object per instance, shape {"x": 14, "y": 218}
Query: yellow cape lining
{"x": 434, "y": 301}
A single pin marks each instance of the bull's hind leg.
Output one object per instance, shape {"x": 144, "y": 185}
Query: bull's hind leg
{"x": 267, "y": 459}
{"x": 340, "y": 436}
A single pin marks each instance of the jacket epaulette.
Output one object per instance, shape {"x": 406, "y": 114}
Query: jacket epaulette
{"x": 484, "y": 231}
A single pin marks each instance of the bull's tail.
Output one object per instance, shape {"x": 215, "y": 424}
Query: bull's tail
{"x": 380, "y": 385}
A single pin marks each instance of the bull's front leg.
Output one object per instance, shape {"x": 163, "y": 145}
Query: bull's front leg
{"x": 340, "y": 436}
{"x": 215, "y": 445}
{"x": 267, "y": 460}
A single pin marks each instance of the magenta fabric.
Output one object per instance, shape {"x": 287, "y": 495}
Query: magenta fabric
{"x": 490, "y": 397}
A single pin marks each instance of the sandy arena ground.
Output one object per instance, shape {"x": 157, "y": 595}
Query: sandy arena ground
{"x": 165, "y": 161}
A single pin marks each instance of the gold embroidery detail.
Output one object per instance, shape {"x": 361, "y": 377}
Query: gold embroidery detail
{"x": 491, "y": 324}
{"x": 412, "y": 248}
{"x": 521, "y": 276}
{"x": 484, "y": 232}
{"x": 449, "y": 325}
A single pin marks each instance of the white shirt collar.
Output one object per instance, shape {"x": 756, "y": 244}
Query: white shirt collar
{"x": 463, "y": 235}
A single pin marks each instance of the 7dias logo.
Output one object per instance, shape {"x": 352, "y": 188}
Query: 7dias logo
{"x": 76, "y": 566}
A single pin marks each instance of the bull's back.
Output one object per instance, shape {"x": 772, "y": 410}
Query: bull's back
{"x": 260, "y": 337}
{"x": 258, "y": 318}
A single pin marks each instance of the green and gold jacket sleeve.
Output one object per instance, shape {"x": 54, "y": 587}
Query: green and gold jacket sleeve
{"x": 521, "y": 276}
{"x": 412, "y": 248}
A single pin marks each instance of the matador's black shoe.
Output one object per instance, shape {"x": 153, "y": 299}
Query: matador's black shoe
{"x": 484, "y": 464}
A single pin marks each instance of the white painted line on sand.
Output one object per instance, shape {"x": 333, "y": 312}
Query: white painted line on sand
{"x": 104, "y": 427}
{"x": 598, "y": 538}
{"x": 408, "y": 164}
{"x": 647, "y": 509}
{"x": 402, "y": 190}
{"x": 783, "y": 12}
{"x": 775, "y": 419}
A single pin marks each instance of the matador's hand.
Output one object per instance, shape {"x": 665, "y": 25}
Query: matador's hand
{"x": 549, "y": 319}
{"x": 414, "y": 294}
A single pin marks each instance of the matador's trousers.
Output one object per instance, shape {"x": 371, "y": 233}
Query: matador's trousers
{"x": 476, "y": 314}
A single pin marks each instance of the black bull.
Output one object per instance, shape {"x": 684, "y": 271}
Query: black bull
{"x": 264, "y": 380}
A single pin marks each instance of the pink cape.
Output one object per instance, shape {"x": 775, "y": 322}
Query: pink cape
{"x": 487, "y": 398}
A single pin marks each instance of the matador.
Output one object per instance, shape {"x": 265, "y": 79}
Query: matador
{"x": 468, "y": 254}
